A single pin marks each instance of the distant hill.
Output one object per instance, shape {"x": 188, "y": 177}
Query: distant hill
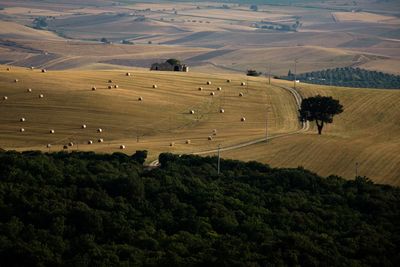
{"x": 349, "y": 77}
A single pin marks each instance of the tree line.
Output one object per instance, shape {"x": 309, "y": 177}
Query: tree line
{"x": 87, "y": 209}
{"x": 348, "y": 77}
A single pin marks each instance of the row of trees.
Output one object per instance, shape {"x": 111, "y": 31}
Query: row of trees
{"x": 349, "y": 77}
{"x": 85, "y": 209}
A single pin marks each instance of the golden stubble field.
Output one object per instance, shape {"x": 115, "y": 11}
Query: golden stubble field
{"x": 368, "y": 132}
{"x": 161, "y": 118}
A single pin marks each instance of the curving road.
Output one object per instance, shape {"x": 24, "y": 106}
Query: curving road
{"x": 304, "y": 127}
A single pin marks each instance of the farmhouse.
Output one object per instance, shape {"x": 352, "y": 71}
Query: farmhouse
{"x": 170, "y": 65}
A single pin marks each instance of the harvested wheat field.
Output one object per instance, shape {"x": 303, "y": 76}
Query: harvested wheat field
{"x": 365, "y": 17}
{"x": 367, "y": 132}
{"x": 160, "y": 118}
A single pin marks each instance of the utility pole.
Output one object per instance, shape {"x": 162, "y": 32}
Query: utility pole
{"x": 266, "y": 124}
{"x": 295, "y": 73}
{"x": 219, "y": 159}
{"x": 269, "y": 74}
{"x": 357, "y": 164}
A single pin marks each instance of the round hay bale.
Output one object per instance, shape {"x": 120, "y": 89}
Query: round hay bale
{"x": 22, "y": 130}
{"x": 109, "y": 81}
{"x": 243, "y": 84}
{"x": 140, "y": 98}
{"x": 100, "y": 140}
{"x": 219, "y": 88}
{"x": 128, "y": 74}
{"x": 228, "y": 81}
{"x": 99, "y": 130}
{"x": 48, "y": 145}
{"x": 83, "y": 126}
{"x": 70, "y": 144}
{"x": 154, "y": 86}
{"x": 215, "y": 132}
{"x": 210, "y": 138}
{"x": 52, "y": 131}
{"x": 22, "y": 120}
{"x": 122, "y": 147}
{"x": 240, "y": 94}
{"x": 109, "y": 87}
{"x": 243, "y": 119}
{"x": 208, "y": 82}
{"x": 16, "y": 80}
{"x": 29, "y": 90}
{"x": 41, "y": 96}
{"x": 65, "y": 147}
{"x": 222, "y": 110}
{"x": 5, "y": 97}
{"x": 94, "y": 88}
{"x": 200, "y": 88}
{"x": 191, "y": 112}
{"x": 8, "y": 69}
{"x": 44, "y": 70}
{"x": 116, "y": 86}
{"x": 90, "y": 142}
{"x": 188, "y": 142}
{"x": 171, "y": 144}
{"x": 212, "y": 93}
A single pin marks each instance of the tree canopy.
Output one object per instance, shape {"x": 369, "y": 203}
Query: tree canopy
{"x": 252, "y": 72}
{"x": 40, "y": 22}
{"x": 320, "y": 109}
{"x": 87, "y": 209}
{"x": 349, "y": 77}
{"x": 173, "y": 61}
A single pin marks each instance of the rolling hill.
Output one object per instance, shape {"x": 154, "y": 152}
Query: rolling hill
{"x": 367, "y": 132}
{"x": 203, "y": 34}
{"x": 162, "y": 117}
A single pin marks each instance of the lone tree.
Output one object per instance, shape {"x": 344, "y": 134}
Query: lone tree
{"x": 320, "y": 109}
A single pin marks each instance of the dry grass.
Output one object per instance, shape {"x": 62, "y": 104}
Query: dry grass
{"x": 282, "y": 59}
{"x": 161, "y": 118}
{"x": 365, "y": 17}
{"x": 26, "y": 11}
{"x": 232, "y": 14}
{"x": 367, "y": 132}
{"x": 12, "y": 30}
{"x": 385, "y": 65}
{"x": 320, "y": 43}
